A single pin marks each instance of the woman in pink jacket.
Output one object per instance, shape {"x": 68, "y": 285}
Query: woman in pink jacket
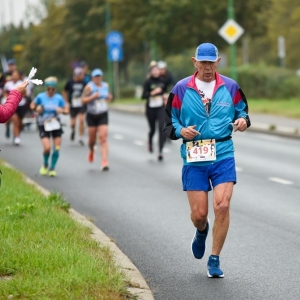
{"x": 12, "y": 102}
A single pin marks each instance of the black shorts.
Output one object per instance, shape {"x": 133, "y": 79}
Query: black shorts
{"x": 74, "y": 111}
{"x": 97, "y": 120}
{"x": 21, "y": 111}
{"x": 48, "y": 134}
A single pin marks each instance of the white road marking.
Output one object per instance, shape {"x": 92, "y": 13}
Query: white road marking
{"x": 118, "y": 137}
{"x": 280, "y": 180}
{"x": 238, "y": 169}
{"x": 166, "y": 150}
{"x": 139, "y": 143}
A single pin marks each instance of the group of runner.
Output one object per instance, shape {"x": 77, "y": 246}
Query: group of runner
{"x": 8, "y": 82}
{"x": 84, "y": 97}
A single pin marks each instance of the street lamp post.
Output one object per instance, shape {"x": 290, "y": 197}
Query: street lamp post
{"x": 107, "y": 25}
{"x": 232, "y": 49}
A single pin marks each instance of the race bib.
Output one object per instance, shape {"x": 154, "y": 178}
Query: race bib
{"x": 76, "y": 102}
{"x": 156, "y": 101}
{"x": 100, "y": 105}
{"x": 202, "y": 150}
{"x": 51, "y": 125}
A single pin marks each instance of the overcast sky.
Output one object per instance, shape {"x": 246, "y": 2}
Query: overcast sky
{"x": 16, "y": 10}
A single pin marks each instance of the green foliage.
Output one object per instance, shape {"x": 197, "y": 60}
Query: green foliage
{"x": 260, "y": 81}
{"x": 127, "y": 92}
{"x": 75, "y": 30}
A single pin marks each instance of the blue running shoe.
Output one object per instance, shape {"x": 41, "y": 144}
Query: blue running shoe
{"x": 198, "y": 243}
{"x": 213, "y": 267}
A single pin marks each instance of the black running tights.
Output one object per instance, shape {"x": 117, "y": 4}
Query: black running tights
{"x": 154, "y": 114}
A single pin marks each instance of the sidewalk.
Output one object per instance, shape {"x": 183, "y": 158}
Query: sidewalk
{"x": 259, "y": 122}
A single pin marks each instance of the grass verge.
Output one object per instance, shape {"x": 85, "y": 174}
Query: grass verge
{"x": 286, "y": 108}
{"x": 45, "y": 254}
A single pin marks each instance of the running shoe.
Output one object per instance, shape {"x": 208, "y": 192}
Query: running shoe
{"x": 17, "y": 141}
{"x": 72, "y": 137}
{"x": 104, "y": 165}
{"x": 160, "y": 157}
{"x": 198, "y": 243}
{"x": 213, "y": 267}
{"x": 91, "y": 156}
{"x": 81, "y": 143}
{"x": 52, "y": 173}
{"x": 44, "y": 170}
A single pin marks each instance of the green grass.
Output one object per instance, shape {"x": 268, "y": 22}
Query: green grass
{"x": 286, "y": 108}
{"x": 45, "y": 254}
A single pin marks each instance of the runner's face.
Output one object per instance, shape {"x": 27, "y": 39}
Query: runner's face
{"x": 79, "y": 77}
{"x": 206, "y": 69}
{"x": 155, "y": 72}
{"x": 97, "y": 79}
{"x": 11, "y": 67}
{"x": 15, "y": 76}
{"x": 50, "y": 91}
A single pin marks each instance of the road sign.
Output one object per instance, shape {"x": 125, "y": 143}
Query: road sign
{"x": 115, "y": 53}
{"x": 114, "y": 38}
{"x": 231, "y": 31}
{"x": 281, "y": 47}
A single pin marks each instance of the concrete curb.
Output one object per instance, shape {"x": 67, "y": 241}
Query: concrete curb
{"x": 139, "y": 286}
{"x": 292, "y": 132}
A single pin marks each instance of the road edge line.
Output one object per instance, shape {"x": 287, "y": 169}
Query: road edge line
{"x": 139, "y": 286}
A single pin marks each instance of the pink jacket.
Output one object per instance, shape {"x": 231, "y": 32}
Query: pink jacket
{"x": 10, "y": 106}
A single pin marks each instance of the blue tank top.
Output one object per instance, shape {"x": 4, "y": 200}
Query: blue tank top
{"x": 99, "y": 105}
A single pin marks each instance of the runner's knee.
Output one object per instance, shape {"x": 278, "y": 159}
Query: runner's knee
{"x": 199, "y": 216}
{"x": 222, "y": 208}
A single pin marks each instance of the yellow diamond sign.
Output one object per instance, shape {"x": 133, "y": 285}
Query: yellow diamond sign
{"x": 231, "y": 31}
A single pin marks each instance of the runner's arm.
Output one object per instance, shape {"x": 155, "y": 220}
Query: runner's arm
{"x": 173, "y": 124}
{"x": 10, "y": 106}
{"x": 87, "y": 96}
{"x": 110, "y": 96}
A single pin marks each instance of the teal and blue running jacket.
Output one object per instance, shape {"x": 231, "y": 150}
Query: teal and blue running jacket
{"x": 185, "y": 108}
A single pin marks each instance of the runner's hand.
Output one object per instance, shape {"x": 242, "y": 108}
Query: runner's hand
{"x": 240, "y": 124}
{"x": 156, "y": 91}
{"x": 110, "y": 97}
{"x": 96, "y": 95}
{"x": 22, "y": 88}
{"x": 59, "y": 110}
{"x": 189, "y": 133}
{"x": 39, "y": 109}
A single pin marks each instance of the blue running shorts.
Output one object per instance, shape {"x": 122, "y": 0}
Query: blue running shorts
{"x": 203, "y": 178}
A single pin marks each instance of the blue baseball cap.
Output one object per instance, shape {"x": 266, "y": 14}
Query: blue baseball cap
{"x": 206, "y": 52}
{"x": 97, "y": 72}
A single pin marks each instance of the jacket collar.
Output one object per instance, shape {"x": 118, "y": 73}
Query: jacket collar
{"x": 192, "y": 82}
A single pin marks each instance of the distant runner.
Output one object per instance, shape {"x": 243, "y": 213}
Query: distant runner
{"x": 21, "y": 110}
{"x": 72, "y": 94}
{"x": 49, "y": 106}
{"x": 153, "y": 91}
{"x": 96, "y": 96}
{"x": 12, "y": 102}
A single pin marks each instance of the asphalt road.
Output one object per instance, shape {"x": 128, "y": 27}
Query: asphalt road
{"x": 140, "y": 204}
